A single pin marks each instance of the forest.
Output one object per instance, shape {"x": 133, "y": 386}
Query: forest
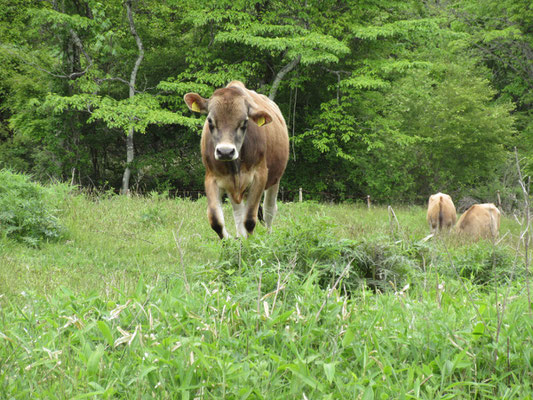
{"x": 393, "y": 99}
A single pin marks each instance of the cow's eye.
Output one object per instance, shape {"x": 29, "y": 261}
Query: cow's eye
{"x": 244, "y": 125}
{"x": 210, "y": 122}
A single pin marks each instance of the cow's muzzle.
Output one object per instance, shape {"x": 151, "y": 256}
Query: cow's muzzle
{"x": 225, "y": 152}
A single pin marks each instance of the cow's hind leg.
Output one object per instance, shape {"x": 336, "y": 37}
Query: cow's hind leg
{"x": 270, "y": 207}
{"x": 214, "y": 208}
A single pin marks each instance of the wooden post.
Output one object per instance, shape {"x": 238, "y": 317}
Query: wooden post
{"x": 368, "y": 201}
{"x": 300, "y": 195}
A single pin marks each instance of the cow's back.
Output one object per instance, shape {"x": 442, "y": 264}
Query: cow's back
{"x": 480, "y": 220}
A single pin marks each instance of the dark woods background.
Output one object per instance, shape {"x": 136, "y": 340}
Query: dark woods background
{"x": 396, "y": 99}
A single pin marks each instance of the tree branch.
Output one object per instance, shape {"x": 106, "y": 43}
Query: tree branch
{"x": 281, "y": 74}
{"x": 78, "y": 43}
{"x": 492, "y": 54}
{"x": 38, "y": 67}
{"x": 338, "y": 73}
{"x": 140, "y": 57}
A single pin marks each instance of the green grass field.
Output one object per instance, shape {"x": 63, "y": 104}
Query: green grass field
{"x": 140, "y": 300}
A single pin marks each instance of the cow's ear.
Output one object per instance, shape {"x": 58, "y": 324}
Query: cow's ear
{"x": 196, "y": 103}
{"x": 261, "y": 118}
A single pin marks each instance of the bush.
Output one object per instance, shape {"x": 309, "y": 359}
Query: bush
{"x": 29, "y": 211}
{"x": 480, "y": 262}
{"x": 382, "y": 264}
{"x": 483, "y": 263}
{"x": 312, "y": 248}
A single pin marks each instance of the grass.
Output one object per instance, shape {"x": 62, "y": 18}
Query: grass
{"x": 141, "y": 300}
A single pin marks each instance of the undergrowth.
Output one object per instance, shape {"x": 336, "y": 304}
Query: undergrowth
{"x": 29, "y": 211}
{"x": 311, "y": 247}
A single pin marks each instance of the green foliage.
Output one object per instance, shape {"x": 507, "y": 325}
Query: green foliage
{"x": 452, "y": 115}
{"x": 379, "y": 97}
{"x": 313, "y": 47}
{"x": 503, "y": 44}
{"x": 117, "y": 113}
{"x": 28, "y": 211}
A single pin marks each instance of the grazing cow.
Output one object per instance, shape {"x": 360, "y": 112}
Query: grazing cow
{"x": 441, "y": 212}
{"x": 245, "y": 149}
{"x": 480, "y": 220}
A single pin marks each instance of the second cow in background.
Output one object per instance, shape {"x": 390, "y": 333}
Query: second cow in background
{"x": 480, "y": 220}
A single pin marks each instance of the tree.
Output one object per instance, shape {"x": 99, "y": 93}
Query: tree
{"x": 500, "y": 34}
{"x": 93, "y": 70}
{"x": 375, "y": 94}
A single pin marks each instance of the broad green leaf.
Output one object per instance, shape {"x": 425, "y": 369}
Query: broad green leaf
{"x": 479, "y": 329}
{"x": 106, "y": 332}
{"x": 94, "y": 360}
{"x": 329, "y": 370}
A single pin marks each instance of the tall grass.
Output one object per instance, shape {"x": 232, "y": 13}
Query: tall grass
{"x": 141, "y": 300}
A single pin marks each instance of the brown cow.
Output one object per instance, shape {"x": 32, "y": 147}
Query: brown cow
{"x": 480, "y": 220}
{"x": 441, "y": 212}
{"x": 245, "y": 149}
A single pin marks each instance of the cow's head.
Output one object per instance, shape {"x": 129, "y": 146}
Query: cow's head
{"x": 228, "y": 114}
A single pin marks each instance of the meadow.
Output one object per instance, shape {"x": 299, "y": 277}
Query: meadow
{"x": 139, "y": 299}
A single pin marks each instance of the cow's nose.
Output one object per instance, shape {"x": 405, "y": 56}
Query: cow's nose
{"x": 225, "y": 152}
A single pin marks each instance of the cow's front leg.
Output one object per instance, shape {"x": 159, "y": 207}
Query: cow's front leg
{"x": 254, "y": 198}
{"x": 214, "y": 207}
{"x": 239, "y": 213}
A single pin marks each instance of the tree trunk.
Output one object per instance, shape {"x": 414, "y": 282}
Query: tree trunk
{"x": 129, "y": 159}
{"x": 281, "y": 74}
{"x": 130, "y": 154}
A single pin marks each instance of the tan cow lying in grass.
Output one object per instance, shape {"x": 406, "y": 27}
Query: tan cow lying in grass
{"x": 441, "y": 212}
{"x": 480, "y": 220}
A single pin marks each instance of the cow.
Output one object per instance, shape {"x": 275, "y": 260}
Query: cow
{"x": 480, "y": 220}
{"x": 245, "y": 149}
{"x": 441, "y": 212}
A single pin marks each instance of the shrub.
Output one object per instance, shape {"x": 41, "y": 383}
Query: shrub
{"x": 483, "y": 263}
{"x": 312, "y": 247}
{"x": 382, "y": 264}
{"x": 29, "y": 211}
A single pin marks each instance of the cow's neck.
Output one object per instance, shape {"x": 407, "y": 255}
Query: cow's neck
{"x": 235, "y": 166}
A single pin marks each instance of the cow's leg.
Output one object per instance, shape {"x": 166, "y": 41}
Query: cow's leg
{"x": 214, "y": 207}
{"x": 255, "y": 192}
{"x": 239, "y": 213}
{"x": 270, "y": 207}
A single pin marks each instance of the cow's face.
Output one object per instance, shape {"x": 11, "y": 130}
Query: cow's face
{"x": 229, "y": 114}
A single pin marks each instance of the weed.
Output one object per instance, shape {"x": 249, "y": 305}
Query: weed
{"x": 312, "y": 246}
{"x": 482, "y": 263}
{"x": 28, "y": 211}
